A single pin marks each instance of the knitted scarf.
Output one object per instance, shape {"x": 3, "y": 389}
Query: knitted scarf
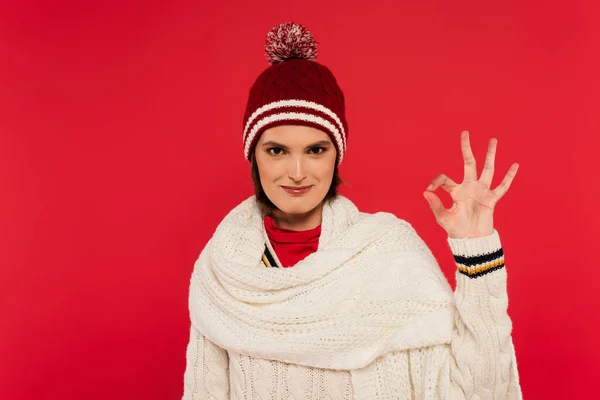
{"x": 373, "y": 287}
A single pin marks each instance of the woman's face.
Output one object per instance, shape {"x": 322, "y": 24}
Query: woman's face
{"x": 295, "y": 157}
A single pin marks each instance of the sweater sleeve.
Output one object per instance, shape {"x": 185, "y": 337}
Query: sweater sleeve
{"x": 481, "y": 361}
{"x": 206, "y": 373}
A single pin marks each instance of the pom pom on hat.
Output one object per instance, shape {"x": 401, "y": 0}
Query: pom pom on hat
{"x": 290, "y": 40}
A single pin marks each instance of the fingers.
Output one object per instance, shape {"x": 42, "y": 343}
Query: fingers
{"x": 443, "y": 181}
{"x": 469, "y": 159}
{"x": 508, "y": 178}
{"x": 488, "y": 168}
{"x": 435, "y": 204}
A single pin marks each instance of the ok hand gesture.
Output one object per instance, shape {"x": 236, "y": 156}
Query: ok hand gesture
{"x": 471, "y": 214}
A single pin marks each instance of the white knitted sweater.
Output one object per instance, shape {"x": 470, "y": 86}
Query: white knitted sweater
{"x": 395, "y": 331}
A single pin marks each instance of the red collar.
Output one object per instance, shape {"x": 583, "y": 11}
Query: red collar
{"x": 285, "y": 235}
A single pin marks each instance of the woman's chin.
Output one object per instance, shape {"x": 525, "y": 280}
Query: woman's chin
{"x": 295, "y": 210}
{"x": 297, "y": 206}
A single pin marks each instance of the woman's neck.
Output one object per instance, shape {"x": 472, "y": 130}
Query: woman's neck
{"x": 298, "y": 222}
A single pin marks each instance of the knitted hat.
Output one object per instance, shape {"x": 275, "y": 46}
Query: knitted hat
{"x": 295, "y": 90}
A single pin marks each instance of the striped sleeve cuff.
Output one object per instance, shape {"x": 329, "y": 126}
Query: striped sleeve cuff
{"x": 475, "y": 257}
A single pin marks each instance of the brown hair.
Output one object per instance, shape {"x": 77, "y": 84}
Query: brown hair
{"x": 267, "y": 206}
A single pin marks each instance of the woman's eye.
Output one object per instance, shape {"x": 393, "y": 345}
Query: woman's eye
{"x": 276, "y": 151}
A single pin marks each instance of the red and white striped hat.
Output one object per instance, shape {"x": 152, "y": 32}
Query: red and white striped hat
{"x": 295, "y": 90}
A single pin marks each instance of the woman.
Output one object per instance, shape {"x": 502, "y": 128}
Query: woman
{"x": 299, "y": 295}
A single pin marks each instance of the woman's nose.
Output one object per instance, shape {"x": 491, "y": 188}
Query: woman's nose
{"x": 297, "y": 169}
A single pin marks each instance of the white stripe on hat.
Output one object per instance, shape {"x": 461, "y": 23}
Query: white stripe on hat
{"x": 297, "y": 103}
{"x": 296, "y": 116}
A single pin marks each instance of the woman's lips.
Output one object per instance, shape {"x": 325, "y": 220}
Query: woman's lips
{"x": 296, "y": 190}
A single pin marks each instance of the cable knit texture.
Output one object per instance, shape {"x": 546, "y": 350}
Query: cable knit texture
{"x": 367, "y": 316}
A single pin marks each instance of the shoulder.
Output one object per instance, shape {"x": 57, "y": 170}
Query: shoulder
{"x": 388, "y": 220}
{"x": 403, "y": 232}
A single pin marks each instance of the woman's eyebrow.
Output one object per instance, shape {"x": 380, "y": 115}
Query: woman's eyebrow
{"x": 319, "y": 143}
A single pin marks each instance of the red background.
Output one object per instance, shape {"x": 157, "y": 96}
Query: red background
{"x": 120, "y": 151}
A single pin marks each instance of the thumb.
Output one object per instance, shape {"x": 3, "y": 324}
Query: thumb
{"x": 435, "y": 204}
